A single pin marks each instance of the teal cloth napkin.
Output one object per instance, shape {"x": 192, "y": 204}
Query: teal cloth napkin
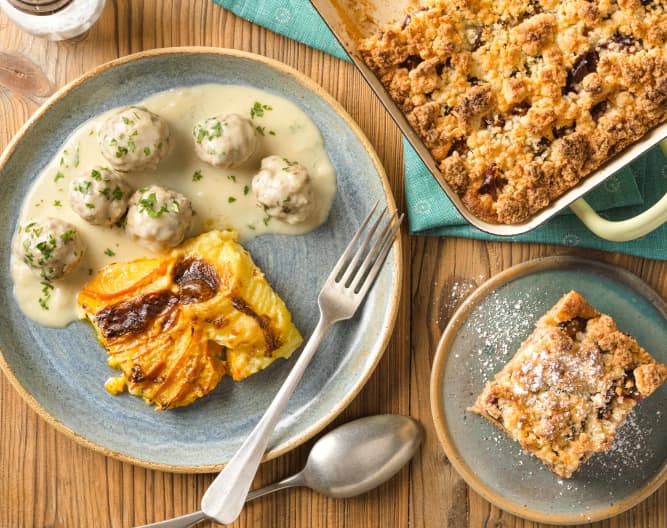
{"x": 629, "y": 192}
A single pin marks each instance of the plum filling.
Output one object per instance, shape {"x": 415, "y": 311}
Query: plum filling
{"x": 458, "y": 145}
{"x": 493, "y": 181}
{"x": 541, "y": 146}
{"x": 411, "y": 62}
{"x": 573, "y": 326}
{"x": 585, "y": 64}
{"x": 599, "y": 109}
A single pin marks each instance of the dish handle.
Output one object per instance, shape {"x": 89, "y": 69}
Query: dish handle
{"x": 623, "y": 230}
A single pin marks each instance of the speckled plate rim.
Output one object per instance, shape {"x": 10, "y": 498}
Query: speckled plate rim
{"x": 396, "y": 254}
{"x": 438, "y": 372}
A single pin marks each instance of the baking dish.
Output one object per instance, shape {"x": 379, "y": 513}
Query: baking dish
{"x": 352, "y": 20}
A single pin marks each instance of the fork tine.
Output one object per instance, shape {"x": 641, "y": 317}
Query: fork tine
{"x": 350, "y": 247}
{"x": 371, "y": 254}
{"x": 352, "y": 267}
{"x": 382, "y": 247}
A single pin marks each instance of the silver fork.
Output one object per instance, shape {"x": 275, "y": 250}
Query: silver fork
{"x": 341, "y": 295}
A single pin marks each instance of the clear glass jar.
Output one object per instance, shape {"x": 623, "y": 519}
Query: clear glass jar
{"x": 53, "y": 19}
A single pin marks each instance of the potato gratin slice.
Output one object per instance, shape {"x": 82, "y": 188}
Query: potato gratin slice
{"x": 176, "y": 325}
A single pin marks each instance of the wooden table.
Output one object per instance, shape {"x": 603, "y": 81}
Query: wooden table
{"x": 48, "y": 480}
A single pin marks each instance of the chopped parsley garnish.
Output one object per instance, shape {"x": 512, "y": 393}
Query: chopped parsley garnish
{"x": 202, "y": 132}
{"x": 34, "y": 228}
{"x": 266, "y": 220}
{"x": 109, "y": 253}
{"x": 258, "y": 110}
{"x": 43, "y": 301}
{"x": 246, "y": 189}
{"x": 231, "y": 177}
{"x": 90, "y": 205}
{"x": 121, "y": 151}
{"x": 260, "y": 130}
{"x": 95, "y": 175}
{"x": 147, "y": 151}
{"x": 57, "y": 203}
{"x": 289, "y": 164}
{"x": 59, "y": 176}
{"x": 128, "y": 121}
{"x": 199, "y": 133}
{"x": 83, "y": 186}
{"x": 251, "y": 226}
{"x": 67, "y": 236}
{"x": 117, "y": 193}
{"x": 68, "y": 160}
{"x": 148, "y": 204}
{"x": 272, "y": 132}
{"x": 197, "y": 176}
{"x": 231, "y": 199}
{"x": 46, "y": 248}
{"x": 216, "y": 130}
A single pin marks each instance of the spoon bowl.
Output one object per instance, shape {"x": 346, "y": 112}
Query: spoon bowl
{"x": 360, "y": 455}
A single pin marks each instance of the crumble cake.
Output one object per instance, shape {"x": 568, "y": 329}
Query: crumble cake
{"x": 570, "y": 386}
{"x": 517, "y": 100}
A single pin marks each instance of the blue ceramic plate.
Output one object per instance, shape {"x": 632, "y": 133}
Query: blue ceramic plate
{"x": 61, "y": 372}
{"x": 485, "y": 333}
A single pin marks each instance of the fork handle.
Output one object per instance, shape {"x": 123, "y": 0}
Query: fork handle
{"x": 224, "y": 499}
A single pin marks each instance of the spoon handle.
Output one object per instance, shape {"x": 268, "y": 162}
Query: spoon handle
{"x": 289, "y": 482}
{"x": 185, "y": 521}
{"x": 226, "y": 495}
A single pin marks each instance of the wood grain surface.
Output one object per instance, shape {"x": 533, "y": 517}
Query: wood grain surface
{"x": 48, "y": 480}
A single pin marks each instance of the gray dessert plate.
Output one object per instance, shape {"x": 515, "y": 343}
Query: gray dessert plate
{"x": 61, "y": 372}
{"x": 484, "y": 334}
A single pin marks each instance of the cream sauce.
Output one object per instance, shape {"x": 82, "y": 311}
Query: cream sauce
{"x": 221, "y": 198}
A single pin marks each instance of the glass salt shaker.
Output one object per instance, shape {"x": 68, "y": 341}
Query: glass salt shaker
{"x": 53, "y": 19}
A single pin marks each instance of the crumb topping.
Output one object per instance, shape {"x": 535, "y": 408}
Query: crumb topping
{"x": 571, "y": 384}
{"x": 518, "y": 101}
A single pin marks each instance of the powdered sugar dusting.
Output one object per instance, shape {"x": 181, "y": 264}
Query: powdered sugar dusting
{"x": 498, "y": 331}
{"x": 629, "y": 449}
{"x": 502, "y": 326}
{"x": 457, "y": 293}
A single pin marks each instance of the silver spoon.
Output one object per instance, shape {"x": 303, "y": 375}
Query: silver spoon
{"x": 347, "y": 461}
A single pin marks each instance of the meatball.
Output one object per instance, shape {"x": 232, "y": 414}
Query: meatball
{"x": 225, "y": 141}
{"x": 284, "y": 189}
{"x": 52, "y": 248}
{"x": 134, "y": 139}
{"x": 99, "y": 196}
{"x": 158, "y": 218}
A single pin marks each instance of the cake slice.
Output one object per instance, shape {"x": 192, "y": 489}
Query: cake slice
{"x": 570, "y": 385}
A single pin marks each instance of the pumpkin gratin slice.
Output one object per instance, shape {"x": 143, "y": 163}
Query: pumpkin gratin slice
{"x": 176, "y": 325}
